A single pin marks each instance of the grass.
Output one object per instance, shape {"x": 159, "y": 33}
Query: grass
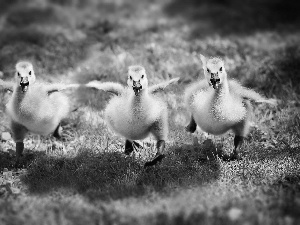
{"x": 88, "y": 179}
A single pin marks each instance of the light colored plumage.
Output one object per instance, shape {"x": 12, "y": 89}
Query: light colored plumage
{"x": 35, "y": 106}
{"x": 218, "y": 105}
{"x": 136, "y": 112}
{"x": 39, "y": 112}
{"x": 132, "y": 116}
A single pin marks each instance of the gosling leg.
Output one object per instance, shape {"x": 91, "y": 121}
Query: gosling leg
{"x": 130, "y": 146}
{"x": 241, "y": 130}
{"x": 160, "y": 132}
{"x": 19, "y": 149}
{"x": 18, "y": 134}
{"x": 238, "y": 141}
{"x": 160, "y": 145}
{"x": 192, "y": 126}
{"x": 58, "y": 132}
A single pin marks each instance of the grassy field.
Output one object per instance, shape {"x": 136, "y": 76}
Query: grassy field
{"x": 87, "y": 179}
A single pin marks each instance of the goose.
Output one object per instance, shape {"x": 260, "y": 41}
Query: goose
{"x": 135, "y": 112}
{"x": 35, "y": 106}
{"x": 218, "y": 104}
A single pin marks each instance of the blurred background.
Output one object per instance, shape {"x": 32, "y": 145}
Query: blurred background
{"x": 166, "y": 36}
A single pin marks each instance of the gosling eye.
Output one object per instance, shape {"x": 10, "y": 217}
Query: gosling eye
{"x": 221, "y": 69}
{"x": 19, "y": 74}
{"x": 208, "y": 70}
{"x": 130, "y": 77}
{"x": 30, "y": 73}
{"x": 142, "y": 76}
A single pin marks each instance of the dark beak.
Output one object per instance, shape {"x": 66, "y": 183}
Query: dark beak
{"x": 24, "y": 84}
{"x": 215, "y": 82}
{"x": 137, "y": 87}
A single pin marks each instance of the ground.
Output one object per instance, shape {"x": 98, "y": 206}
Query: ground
{"x": 87, "y": 179}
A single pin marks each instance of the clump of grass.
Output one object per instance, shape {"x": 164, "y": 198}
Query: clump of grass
{"x": 113, "y": 175}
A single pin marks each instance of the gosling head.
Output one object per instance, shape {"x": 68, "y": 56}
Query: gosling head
{"x": 214, "y": 71}
{"x": 137, "y": 79}
{"x": 25, "y": 75}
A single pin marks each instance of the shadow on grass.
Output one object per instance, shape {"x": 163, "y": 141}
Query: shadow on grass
{"x": 288, "y": 195}
{"x": 112, "y": 175}
{"x": 8, "y": 160}
{"x": 227, "y": 17}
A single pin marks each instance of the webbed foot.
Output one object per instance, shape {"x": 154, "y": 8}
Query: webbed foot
{"x": 19, "y": 153}
{"x": 235, "y": 156}
{"x": 157, "y": 158}
{"x": 159, "y": 155}
{"x": 238, "y": 140}
{"x": 58, "y": 132}
{"x": 130, "y": 146}
{"x": 231, "y": 157}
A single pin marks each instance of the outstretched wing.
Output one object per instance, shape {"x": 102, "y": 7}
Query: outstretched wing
{"x": 8, "y": 86}
{"x": 162, "y": 86}
{"x": 194, "y": 88}
{"x": 60, "y": 87}
{"x": 249, "y": 94}
{"x": 111, "y": 87}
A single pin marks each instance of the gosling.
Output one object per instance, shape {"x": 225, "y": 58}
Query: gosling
{"x": 135, "y": 112}
{"x": 35, "y": 106}
{"x": 218, "y": 105}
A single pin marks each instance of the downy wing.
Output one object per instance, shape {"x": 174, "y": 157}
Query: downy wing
{"x": 51, "y": 88}
{"x": 111, "y": 87}
{"x": 249, "y": 94}
{"x": 162, "y": 86}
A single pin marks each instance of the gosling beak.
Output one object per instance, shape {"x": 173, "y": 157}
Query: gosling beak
{"x": 215, "y": 83}
{"x": 24, "y": 84}
{"x": 215, "y": 80}
{"x": 137, "y": 87}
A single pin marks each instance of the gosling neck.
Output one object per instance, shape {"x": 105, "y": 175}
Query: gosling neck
{"x": 19, "y": 93}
